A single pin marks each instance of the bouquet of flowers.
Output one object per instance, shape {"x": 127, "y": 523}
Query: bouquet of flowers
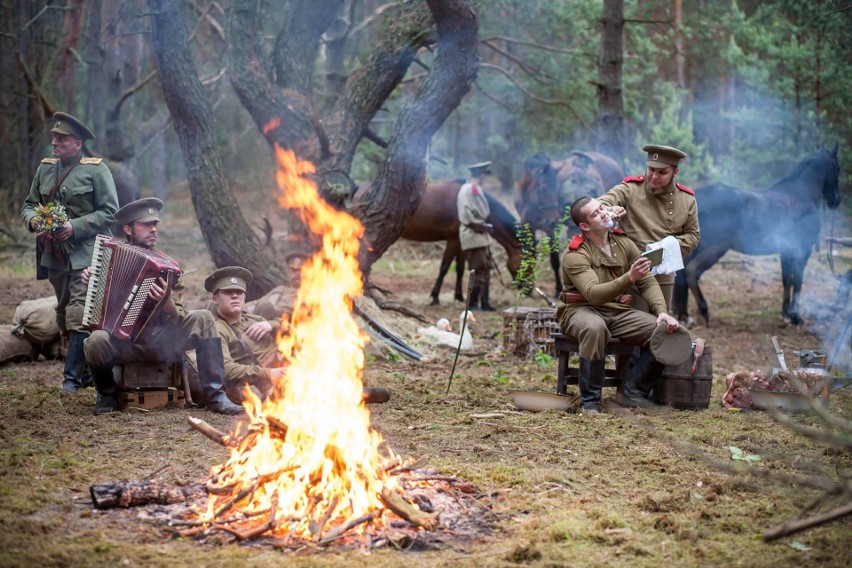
{"x": 53, "y": 217}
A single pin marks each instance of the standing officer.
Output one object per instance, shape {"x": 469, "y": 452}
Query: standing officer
{"x": 176, "y": 330}
{"x": 474, "y": 232}
{"x": 84, "y": 186}
{"x": 653, "y": 206}
{"x": 598, "y": 268}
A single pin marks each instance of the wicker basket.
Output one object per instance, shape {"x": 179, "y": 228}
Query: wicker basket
{"x": 529, "y": 330}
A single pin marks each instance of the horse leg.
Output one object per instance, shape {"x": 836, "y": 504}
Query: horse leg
{"x": 554, "y": 262}
{"x": 680, "y": 297}
{"x": 697, "y": 265}
{"x": 449, "y": 253}
{"x": 792, "y": 274}
{"x": 459, "y": 274}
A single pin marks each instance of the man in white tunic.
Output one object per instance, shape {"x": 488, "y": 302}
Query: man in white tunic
{"x": 474, "y": 233}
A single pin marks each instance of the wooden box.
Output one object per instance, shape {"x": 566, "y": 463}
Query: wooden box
{"x": 149, "y": 398}
{"x": 149, "y": 375}
{"x": 529, "y": 330}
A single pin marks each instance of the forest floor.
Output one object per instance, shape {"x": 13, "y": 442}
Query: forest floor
{"x": 625, "y": 488}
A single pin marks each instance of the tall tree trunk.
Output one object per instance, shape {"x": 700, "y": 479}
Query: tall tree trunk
{"x": 610, "y": 113}
{"x": 229, "y": 238}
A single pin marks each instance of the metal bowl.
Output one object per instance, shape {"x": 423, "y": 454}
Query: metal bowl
{"x": 787, "y": 401}
{"x": 536, "y": 401}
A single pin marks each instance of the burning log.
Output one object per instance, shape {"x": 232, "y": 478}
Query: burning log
{"x": 395, "y": 502}
{"x": 210, "y": 431}
{"x": 124, "y": 494}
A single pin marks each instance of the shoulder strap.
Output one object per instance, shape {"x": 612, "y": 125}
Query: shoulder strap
{"x": 633, "y": 179}
{"x": 244, "y": 344}
{"x": 576, "y": 242}
{"x": 685, "y": 189}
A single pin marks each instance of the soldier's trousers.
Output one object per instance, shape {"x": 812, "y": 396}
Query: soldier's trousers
{"x": 477, "y": 259}
{"x": 666, "y": 282}
{"x": 167, "y": 343}
{"x": 593, "y": 329}
{"x": 71, "y": 298}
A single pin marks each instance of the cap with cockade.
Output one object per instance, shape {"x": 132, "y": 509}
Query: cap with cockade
{"x": 64, "y": 123}
{"x": 228, "y": 278}
{"x": 142, "y": 210}
{"x": 663, "y": 156}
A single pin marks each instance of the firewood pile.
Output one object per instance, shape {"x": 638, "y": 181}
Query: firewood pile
{"x": 741, "y": 383}
{"x": 423, "y": 509}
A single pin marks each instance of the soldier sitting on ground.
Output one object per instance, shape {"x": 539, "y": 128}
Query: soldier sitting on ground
{"x": 249, "y": 347}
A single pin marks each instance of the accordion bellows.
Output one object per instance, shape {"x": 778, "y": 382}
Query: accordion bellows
{"x": 120, "y": 277}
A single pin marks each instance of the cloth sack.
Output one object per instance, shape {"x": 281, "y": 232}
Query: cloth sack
{"x": 35, "y": 320}
{"x": 14, "y": 349}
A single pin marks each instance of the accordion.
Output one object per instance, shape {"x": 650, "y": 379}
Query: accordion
{"x": 120, "y": 277}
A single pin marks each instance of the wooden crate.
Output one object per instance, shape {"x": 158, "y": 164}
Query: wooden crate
{"x": 529, "y": 330}
{"x": 149, "y": 398}
{"x": 143, "y": 375}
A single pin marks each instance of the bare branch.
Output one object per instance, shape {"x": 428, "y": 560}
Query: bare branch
{"x": 534, "y": 96}
{"x": 135, "y": 88}
{"x": 533, "y": 73}
{"x": 533, "y": 44}
{"x": 800, "y": 525}
{"x": 372, "y": 17}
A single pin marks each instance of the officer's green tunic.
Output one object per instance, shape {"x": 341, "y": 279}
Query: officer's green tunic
{"x": 88, "y": 194}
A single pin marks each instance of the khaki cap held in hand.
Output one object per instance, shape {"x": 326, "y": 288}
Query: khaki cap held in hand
{"x": 671, "y": 349}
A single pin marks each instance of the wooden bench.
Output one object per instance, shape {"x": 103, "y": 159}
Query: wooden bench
{"x": 568, "y": 375}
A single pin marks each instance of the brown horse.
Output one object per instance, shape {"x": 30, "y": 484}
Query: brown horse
{"x": 542, "y": 195}
{"x": 436, "y": 219}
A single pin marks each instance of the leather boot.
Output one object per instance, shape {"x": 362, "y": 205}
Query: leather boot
{"x": 211, "y": 373}
{"x": 591, "y": 382}
{"x": 105, "y": 386}
{"x": 486, "y": 307}
{"x": 76, "y": 371}
{"x": 474, "y": 298}
{"x": 640, "y": 380}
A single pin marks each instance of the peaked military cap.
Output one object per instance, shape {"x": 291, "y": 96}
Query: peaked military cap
{"x": 663, "y": 156}
{"x": 293, "y": 256}
{"x": 671, "y": 349}
{"x": 480, "y": 168}
{"x": 228, "y": 278}
{"x": 143, "y": 210}
{"x": 64, "y": 123}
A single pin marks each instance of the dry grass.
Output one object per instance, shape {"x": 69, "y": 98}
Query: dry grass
{"x": 569, "y": 489}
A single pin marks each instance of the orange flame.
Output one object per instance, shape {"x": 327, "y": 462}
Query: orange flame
{"x": 330, "y": 454}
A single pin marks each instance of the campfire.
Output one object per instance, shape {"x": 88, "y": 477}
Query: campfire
{"x": 307, "y": 467}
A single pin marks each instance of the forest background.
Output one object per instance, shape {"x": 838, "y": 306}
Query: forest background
{"x": 746, "y": 88}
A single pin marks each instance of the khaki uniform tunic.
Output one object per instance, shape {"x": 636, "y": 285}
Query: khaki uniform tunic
{"x": 602, "y": 279}
{"x": 472, "y": 208}
{"x": 652, "y": 215}
{"x": 88, "y": 194}
{"x": 242, "y": 357}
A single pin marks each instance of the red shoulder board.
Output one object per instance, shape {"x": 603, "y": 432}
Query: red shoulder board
{"x": 576, "y": 242}
{"x": 633, "y": 179}
{"x": 474, "y": 189}
{"x": 685, "y": 189}
{"x": 618, "y": 231}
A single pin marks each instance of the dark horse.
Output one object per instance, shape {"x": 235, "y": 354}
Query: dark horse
{"x": 436, "y": 219}
{"x": 540, "y": 197}
{"x": 783, "y": 219}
